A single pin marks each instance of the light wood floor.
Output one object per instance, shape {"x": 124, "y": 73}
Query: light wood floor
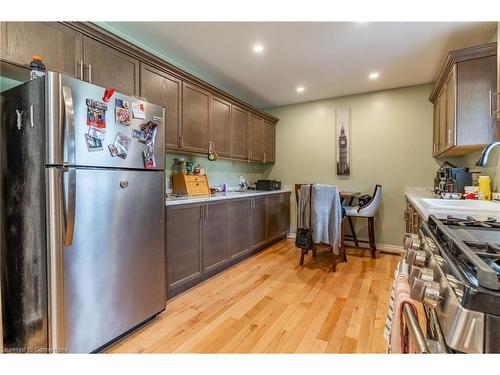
{"x": 270, "y": 304}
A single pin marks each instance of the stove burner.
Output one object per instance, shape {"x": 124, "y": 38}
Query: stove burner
{"x": 490, "y": 222}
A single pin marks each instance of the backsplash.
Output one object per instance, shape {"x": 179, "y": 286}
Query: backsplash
{"x": 220, "y": 171}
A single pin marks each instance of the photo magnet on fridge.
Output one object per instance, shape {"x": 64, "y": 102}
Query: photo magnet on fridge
{"x": 138, "y": 134}
{"x": 122, "y": 113}
{"x": 150, "y": 129}
{"x": 122, "y": 144}
{"x": 93, "y": 144}
{"x": 96, "y": 113}
{"x": 113, "y": 150}
{"x": 139, "y": 110}
{"x": 98, "y": 133}
{"x": 149, "y": 158}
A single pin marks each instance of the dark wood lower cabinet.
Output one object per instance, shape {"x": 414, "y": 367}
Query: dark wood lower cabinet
{"x": 239, "y": 228}
{"x": 215, "y": 235}
{"x": 183, "y": 245}
{"x": 204, "y": 239}
{"x": 272, "y": 215}
{"x": 258, "y": 221}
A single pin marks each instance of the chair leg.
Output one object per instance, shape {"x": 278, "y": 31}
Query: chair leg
{"x": 302, "y": 253}
{"x": 351, "y": 226}
{"x": 314, "y": 251}
{"x": 342, "y": 256}
{"x": 371, "y": 236}
{"x": 335, "y": 260}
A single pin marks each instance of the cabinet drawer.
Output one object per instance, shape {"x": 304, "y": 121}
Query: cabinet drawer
{"x": 194, "y": 178}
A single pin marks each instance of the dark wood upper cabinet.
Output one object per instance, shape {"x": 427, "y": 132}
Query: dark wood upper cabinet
{"x": 258, "y": 222}
{"x": 269, "y": 141}
{"x": 239, "y": 227}
{"x": 239, "y": 125}
{"x": 107, "y": 67}
{"x": 255, "y": 138}
{"x": 220, "y": 126}
{"x": 164, "y": 90}
{"x": 215, "y": 235}
{"x": 498, "y": 83}
{"x": 59, "y": 46}
{"x": 462, "y": 97}
{"x": 195, "y": 118}
{"x": 183, "y": 244}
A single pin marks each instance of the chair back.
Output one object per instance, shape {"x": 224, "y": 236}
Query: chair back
{"x": 371, "y": 208}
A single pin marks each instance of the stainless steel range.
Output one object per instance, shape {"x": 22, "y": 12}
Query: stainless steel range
{"x": 455, "y": 272}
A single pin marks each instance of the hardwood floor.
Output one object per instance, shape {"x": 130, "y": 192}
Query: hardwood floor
{"x": 270, "y": 304}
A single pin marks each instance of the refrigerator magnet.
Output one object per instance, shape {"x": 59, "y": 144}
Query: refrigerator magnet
{"x": 98, "y": 133}
{"x": 93, "y": 144}
{"x": 122, "y": 113}
{"x": 122, "y": 144}
{"x": 138, "y": 134}
{"x": 149, "y": 158}
{"x": 139, "y": 110}
{"x": 96, "y": 113}
{"x": 150, "y": 129}
{"x": 113, "y": 150}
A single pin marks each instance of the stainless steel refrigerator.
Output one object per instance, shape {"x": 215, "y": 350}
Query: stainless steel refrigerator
{"x": 82, "y": 215}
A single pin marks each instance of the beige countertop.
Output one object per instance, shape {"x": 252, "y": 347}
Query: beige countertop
{"x": 173, "y": 201}
{"x": 426, "y": 203}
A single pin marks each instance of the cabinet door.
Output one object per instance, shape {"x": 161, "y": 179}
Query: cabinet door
{"x": 215, "y": 235}
{"x": 163, "y": 89}
{"x": 498, "y": 84}
{"x": 442, "y": 120}
{"x": 220, "y": 126}
{"x": 239, "y": 227}
{"x": 451, "y": 99}
{"x": 239, "y": 125}
{"x": 183, "y": 244}
{"x": 272, "y": 216}
{"x": 269, "y": 141}
{"x": 258, "y": 222}
{"x": 435, "y": 134}
{"x": 59, "y": 46}
{"x": 284, "y": 214}
{"x": 255, "y": 138}
{"x": 108, "y": 67}
{"x": 195, "y": 118}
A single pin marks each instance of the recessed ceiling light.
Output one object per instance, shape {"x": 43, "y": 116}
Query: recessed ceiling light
{"x": 258, "y": 48}
{"x": 374, "y": 75}
{"x": 300, "y": 89}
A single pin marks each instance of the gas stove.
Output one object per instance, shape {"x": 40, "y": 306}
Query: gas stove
{"x": 455, "y": 272}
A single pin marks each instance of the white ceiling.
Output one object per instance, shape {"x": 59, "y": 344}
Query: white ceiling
{"x": 329, "y": 59}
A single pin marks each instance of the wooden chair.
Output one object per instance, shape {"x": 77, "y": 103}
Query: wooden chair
{"x": 335, "y": 259}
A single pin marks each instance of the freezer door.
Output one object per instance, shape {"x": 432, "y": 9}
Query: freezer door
{"x": 67, "y": 127}
{"x": 113, "y": 255}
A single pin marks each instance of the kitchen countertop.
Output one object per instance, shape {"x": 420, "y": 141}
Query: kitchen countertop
{"x": 173, "y": 201}
{"x": 426, "y": 203}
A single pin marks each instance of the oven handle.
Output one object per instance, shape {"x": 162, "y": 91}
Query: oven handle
{"x": 415, "y": 333}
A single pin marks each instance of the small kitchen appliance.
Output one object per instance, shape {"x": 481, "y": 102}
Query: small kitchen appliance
{"x": 268, "y": 185}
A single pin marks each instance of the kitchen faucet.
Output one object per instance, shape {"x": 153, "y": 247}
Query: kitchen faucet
{"x": 484, "y": 155}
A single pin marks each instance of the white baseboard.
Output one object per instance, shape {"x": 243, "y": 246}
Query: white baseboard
{"x": 386, "y": 248}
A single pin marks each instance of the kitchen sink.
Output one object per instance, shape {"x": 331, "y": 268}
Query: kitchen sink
{"x": 460, "y": 204}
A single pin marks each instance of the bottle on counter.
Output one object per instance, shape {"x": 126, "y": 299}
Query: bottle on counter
{"x": 484, "y": 188}
{"x": 37, "y": 68}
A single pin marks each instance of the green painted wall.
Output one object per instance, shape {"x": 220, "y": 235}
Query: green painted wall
{"x": 391, "y": 145}
{"x": 220, "y": 171}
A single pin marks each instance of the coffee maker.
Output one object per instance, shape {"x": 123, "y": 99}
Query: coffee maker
{"x": 451, "y": 179}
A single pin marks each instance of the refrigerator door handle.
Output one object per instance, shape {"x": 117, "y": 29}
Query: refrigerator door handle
{"x": 70, "y": 206}
{"x": 69, "y": 124}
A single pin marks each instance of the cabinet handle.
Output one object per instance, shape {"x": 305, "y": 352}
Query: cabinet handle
{"x": 81, "y": 70}
{"x": 449, "y": 136}
{"x": 181, "y": 141}
{"x": 90, "y": 73}
{"x": 206, "y": 211}
{"x": 202, "y": 211}
{"x": 264, "y": 161}
{"x": 492, "y": 94}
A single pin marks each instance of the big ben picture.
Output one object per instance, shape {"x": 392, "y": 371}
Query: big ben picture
{"x": 342, "y": 126}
